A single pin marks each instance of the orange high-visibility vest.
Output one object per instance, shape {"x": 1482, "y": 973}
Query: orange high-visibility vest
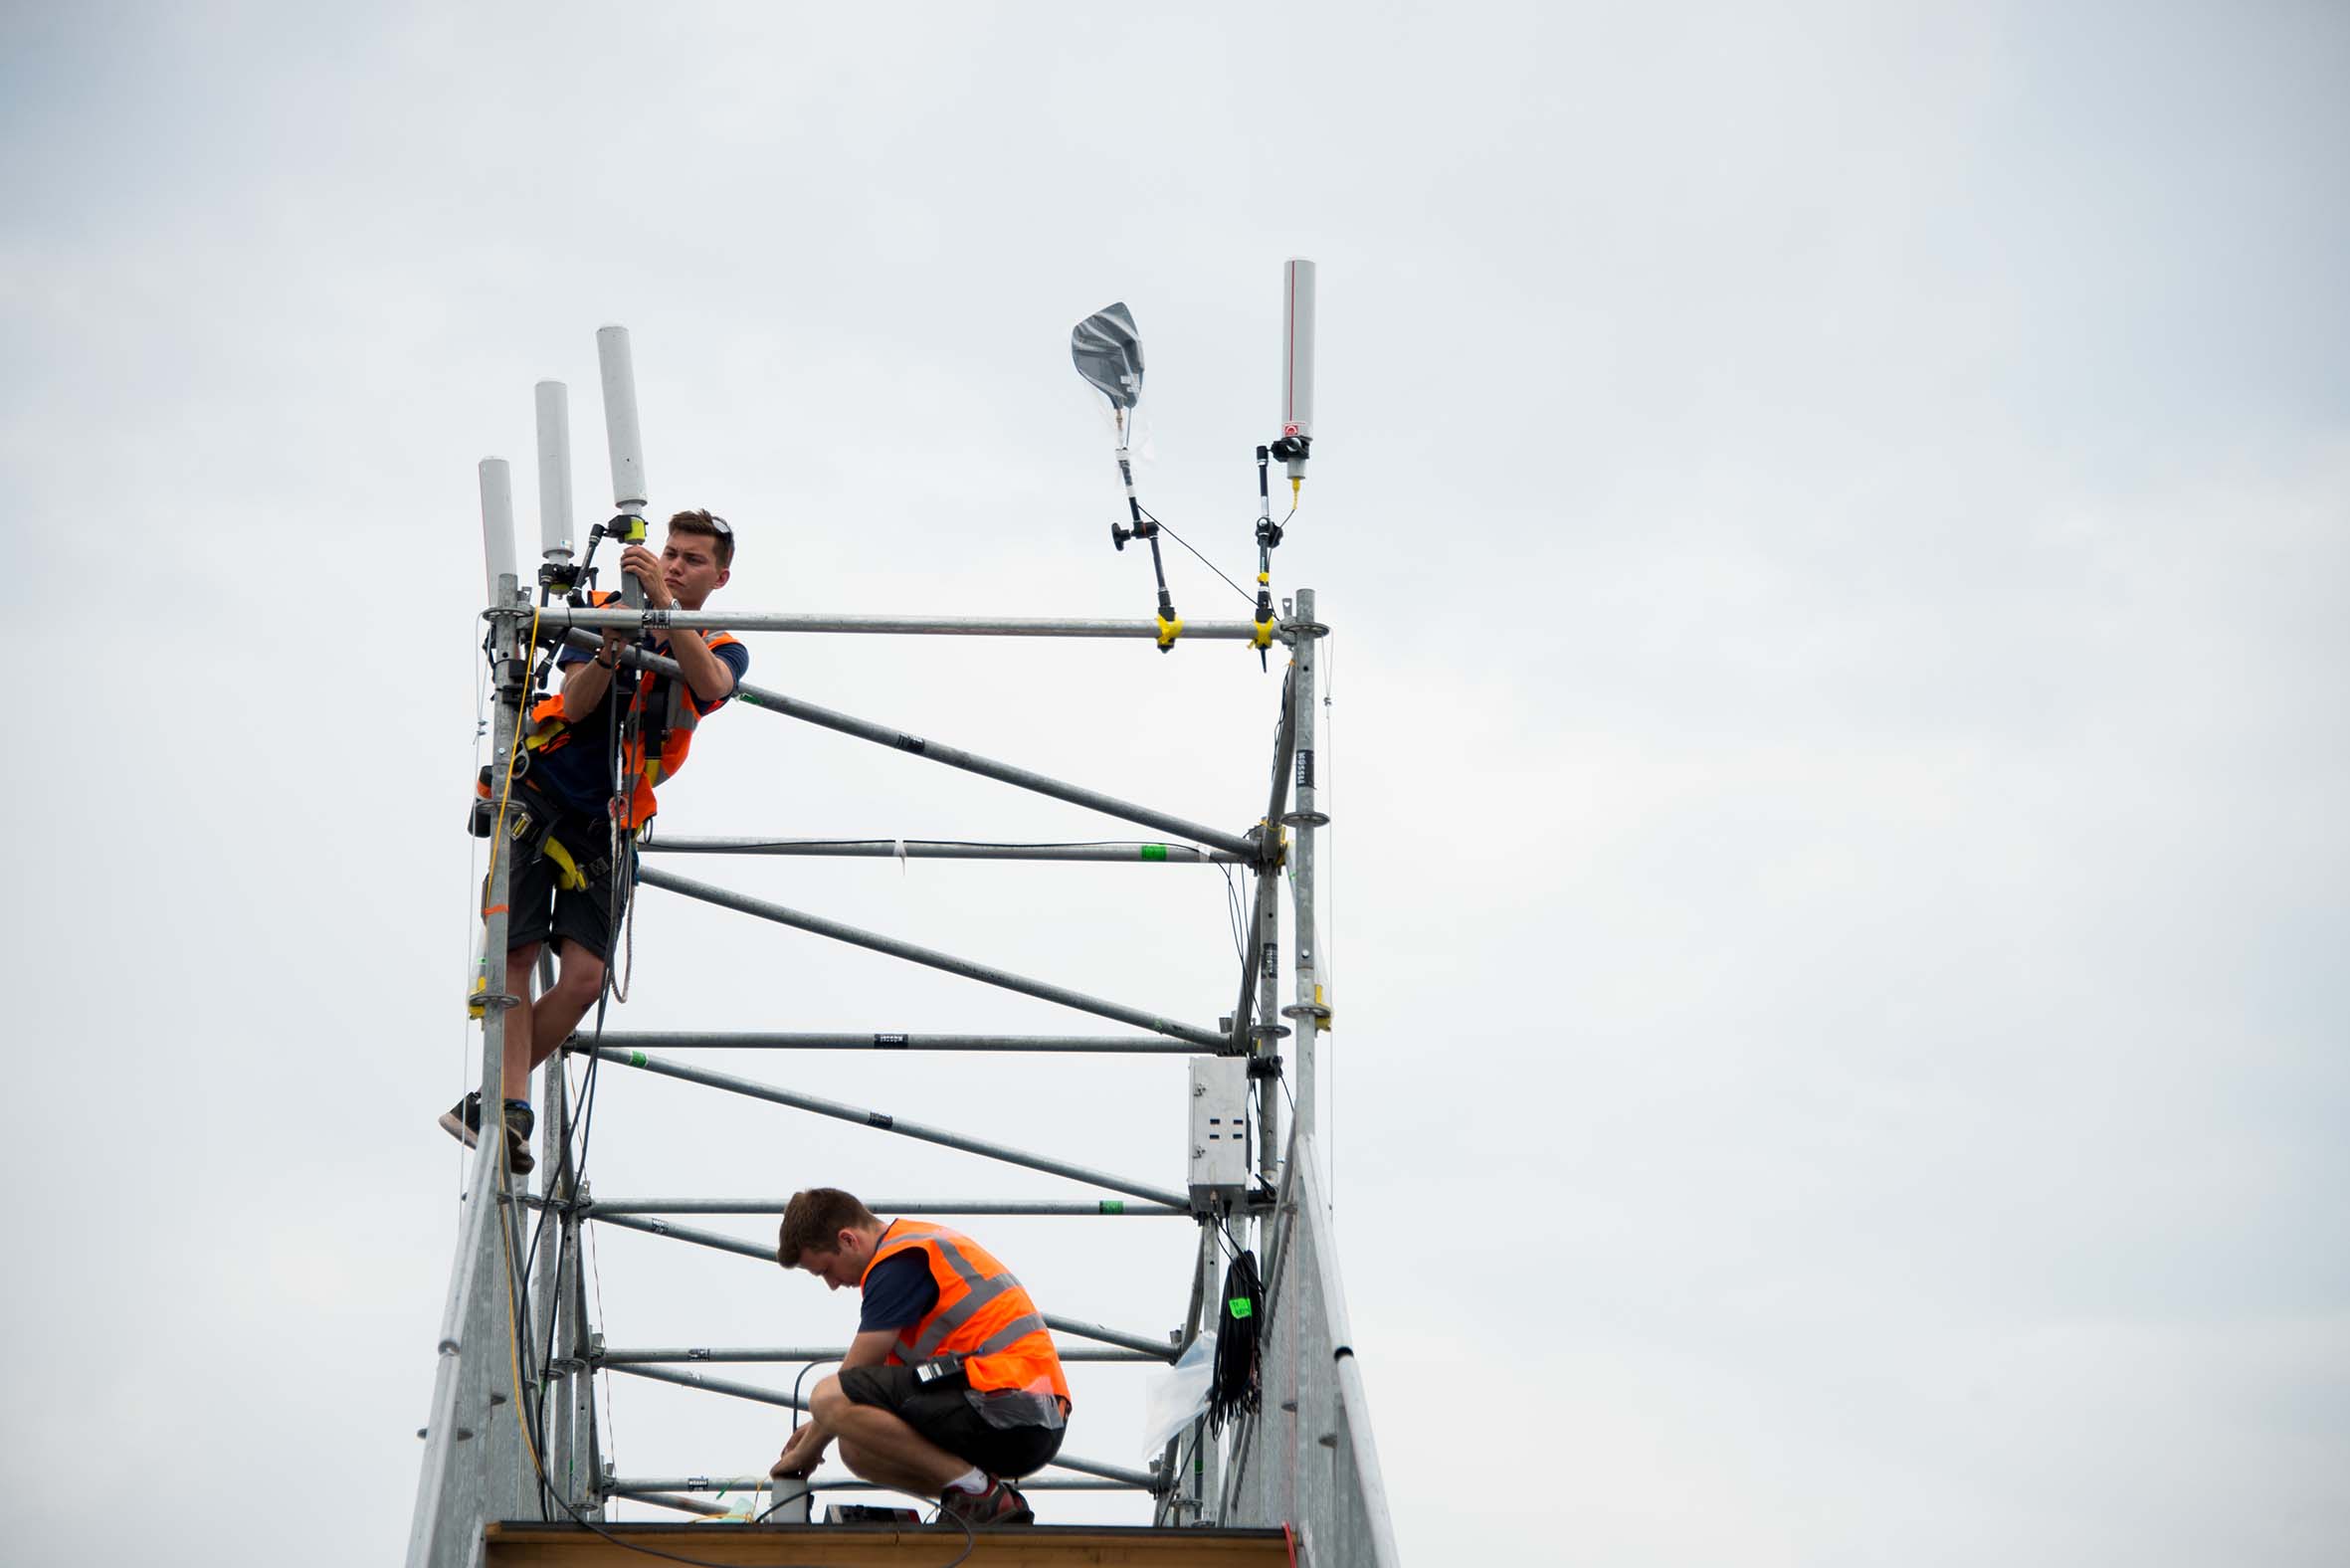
{"x": 983, "y": 1314}
{"x": 667, "y": 712}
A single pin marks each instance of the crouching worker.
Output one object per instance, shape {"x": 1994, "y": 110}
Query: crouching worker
{"x": 584, "y": 794}
{"x": 951, "y": 1387}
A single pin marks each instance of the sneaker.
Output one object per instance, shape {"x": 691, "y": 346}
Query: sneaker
{"x": 1000, "y": 1504}
{"x": 519, "y": 1124}
{"x": 463, "y": 1120}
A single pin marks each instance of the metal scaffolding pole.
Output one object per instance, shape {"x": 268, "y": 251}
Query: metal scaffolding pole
{"x": 566, "y": 617}
{"x": 639, "y": 1486}
{"x": 1309, "y": 1011}
{"x": 718, "y": 1241}
{"x": 1113, "y": 1208}
{"x": 886, "y": 1123}
{"x": 985, "y": 974}
{"x": 721, "y": 1355}
{"x": 771, "y": 1396}
{"x": 1136, "y": 854}
{"x": 817, "y": 1040}
{"x": 950, "y": 756}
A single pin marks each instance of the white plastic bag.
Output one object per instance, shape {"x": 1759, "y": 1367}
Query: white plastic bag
{"x": 1177, "y": 1397}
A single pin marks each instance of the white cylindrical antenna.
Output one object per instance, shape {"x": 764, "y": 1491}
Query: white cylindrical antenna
{"x": 629, "y": 492}
{"x": 554, "y": 471}
{"x": 498, "y": 526}
{"x": 1297, "y": 355}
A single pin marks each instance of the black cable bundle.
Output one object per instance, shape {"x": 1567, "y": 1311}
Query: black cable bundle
{"x": 1239, "y": 1387}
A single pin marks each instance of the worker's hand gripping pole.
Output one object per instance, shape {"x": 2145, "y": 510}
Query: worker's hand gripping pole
{"x": 628, "y": 450}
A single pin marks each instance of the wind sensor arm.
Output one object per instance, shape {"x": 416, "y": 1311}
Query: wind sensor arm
{"x": 1108, "y": 351}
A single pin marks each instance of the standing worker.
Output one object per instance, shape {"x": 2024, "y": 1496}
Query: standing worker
{"x": 951, "y": 1387}
{"x": 579, "y": 815}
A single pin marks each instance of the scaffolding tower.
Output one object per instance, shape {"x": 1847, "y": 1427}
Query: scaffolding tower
{"x": 513, "y": 1461}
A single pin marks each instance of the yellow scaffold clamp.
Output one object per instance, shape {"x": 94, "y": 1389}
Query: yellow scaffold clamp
{"x": 1170, "y": 628}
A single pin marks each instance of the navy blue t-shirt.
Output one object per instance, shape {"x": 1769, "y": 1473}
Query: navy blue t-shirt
{"x": 579, "y": 773}
{"x": 898, "y": 1292}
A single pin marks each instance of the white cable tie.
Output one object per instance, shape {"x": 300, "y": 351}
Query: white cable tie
{"x": 900, "y": 842}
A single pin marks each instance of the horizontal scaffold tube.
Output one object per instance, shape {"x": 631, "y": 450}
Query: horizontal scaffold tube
{"x": 563, "y": 616}
{"x": 1136, "y": 854}
{"x": 716, "y": 1355}
{"x": 954, "y": 757}
{"x": 1011, "y": 1207}
{"x": 717, "y": 1241}
{"x": 819, "y": 1040}
{"x": 771, "y": 1396}
{"x": 886, "y": 1123}
{"x": 985, "y": 974}
{"x": 649, "y": 1489}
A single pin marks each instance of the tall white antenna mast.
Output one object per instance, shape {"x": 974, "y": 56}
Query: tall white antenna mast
{"x": 1296, "y": 442}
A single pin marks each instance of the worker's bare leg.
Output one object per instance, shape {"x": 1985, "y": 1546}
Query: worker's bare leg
{"x": 881, "y": 1449}
{"x": 515, "y": 1073}
{"x": 579, "y": 980}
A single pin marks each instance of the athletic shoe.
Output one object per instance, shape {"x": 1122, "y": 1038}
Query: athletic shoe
{"x": 463, "y": 1120}
{"x": 519, "y": 1124}
{"x": 1000, "y": 1504}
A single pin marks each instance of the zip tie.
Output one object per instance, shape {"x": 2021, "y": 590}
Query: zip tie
{"x": 900, "y": 842}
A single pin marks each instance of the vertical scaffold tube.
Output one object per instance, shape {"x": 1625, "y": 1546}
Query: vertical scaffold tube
{"x": 1308, "y": 1009}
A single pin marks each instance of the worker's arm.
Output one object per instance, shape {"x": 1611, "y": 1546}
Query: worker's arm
{"x": 808, "y": 1441}
{"x": 586, "y": 680}
{"x": 708, "y": 678}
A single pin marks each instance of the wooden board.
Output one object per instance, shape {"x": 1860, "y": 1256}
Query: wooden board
{"x": 882, "y": 1546}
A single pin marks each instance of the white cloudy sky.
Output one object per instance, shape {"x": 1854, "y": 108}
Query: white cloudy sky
{"x": 1836, "y": 521}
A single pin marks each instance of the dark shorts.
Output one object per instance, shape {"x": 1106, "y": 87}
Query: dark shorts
{"x": 942, "y": 1409}
{"x": 536, "y": 908}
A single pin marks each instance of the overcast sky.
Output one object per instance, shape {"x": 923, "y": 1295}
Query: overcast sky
{"x": 1835, "y": 521}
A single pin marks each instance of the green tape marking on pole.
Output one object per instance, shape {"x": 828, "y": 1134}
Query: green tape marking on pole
{"x": 635, "y": 1059}
{"x": 1154, "y": 852}
{"x": 1113, "y": 1206}
{"x": 1241, "y": 1306}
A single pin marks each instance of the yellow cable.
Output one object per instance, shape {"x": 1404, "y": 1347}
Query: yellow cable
{"x": 505, "y": 795}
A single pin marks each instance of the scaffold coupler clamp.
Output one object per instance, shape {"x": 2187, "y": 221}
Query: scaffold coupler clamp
{"x": 1170, "y": 628}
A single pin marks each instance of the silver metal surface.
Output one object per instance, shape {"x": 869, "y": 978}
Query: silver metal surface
{"x": 746, "y": 1354}
{"x": 1108, "y": 1208}
{"x": 814, "y": 1039}
{"x": 565, "y": 617}
{"x": 1307, "y": 1457}
{"x": 946, "y": 849}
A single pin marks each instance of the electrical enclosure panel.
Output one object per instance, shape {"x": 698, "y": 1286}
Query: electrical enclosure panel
{"x": 1219, "y": 1147}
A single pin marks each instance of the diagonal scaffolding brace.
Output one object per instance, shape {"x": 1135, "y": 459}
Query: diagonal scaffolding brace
{"x": 985, "y": 974}
{"x": 886, "y": 1123}
{"x": 790, "y": 707}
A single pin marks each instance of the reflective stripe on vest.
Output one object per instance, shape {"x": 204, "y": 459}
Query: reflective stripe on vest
{"x": 982, "y": 1314}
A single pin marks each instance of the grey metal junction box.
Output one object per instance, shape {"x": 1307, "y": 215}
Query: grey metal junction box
{"x": 1219, "y": 1144}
